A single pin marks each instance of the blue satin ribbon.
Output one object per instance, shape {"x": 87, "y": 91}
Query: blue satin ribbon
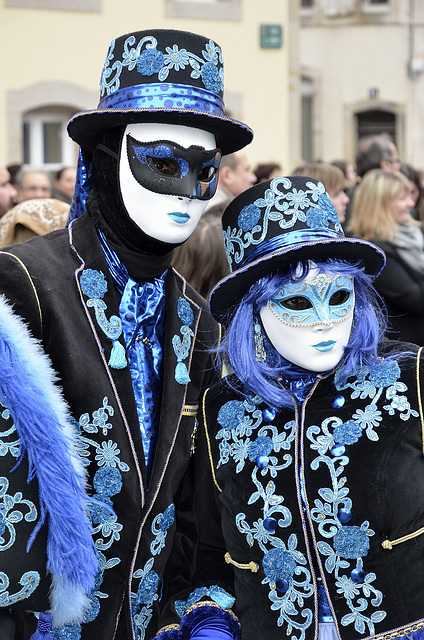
{"x": 142, "y": 313}
{"x": 163, "y": 96}
{"x": 287, "y": 241}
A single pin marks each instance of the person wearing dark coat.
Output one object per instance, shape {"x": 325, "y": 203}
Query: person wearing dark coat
{"x": 382, "y": 214}
{"x": 129, "y": 339}
{"x": 310, "y": 456}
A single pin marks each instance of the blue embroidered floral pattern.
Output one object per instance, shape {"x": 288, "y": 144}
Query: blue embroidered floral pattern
{"x": 149, "y": 585}
{"x": 107, "y": 482}
{"x": 245, "y": 436}
{"x": 352, "y": 542}
{"x": 13, "y": 510}
{"x": 94, "y": 286}
{"x": 215, "y": 593}
{"x": 182, "y": 347}
{"x": 149, "y": 61}
{"x": 311, "y": 206}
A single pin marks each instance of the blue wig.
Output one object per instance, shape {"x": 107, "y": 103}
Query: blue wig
{"x": 369, "y": 324}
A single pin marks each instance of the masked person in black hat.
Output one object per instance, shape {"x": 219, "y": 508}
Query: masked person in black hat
{"x": 127, "y": 336}
{"x": 310, "y": 454}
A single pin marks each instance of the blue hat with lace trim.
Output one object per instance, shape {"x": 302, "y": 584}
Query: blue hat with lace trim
{"x": 162, "y": 76}
{"x": 281, "y": 222}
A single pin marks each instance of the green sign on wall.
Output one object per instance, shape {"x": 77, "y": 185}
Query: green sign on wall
{"x": 271, "y": 36}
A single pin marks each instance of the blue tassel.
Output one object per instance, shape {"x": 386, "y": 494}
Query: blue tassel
{"x": 117, "y": 358}
{"x": 181, "y": 373}
{"x": 44, "y": 627}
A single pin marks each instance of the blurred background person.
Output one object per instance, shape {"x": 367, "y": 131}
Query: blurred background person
{"x": 333, "y": 180}
{"x": 33, "y": 184}
{"x": 416, "y": 190}
{"x": 382, "y": 214}
{"x": 348, "y": 171}
{"x": 202, "y": 260}
{"x": 32, "y": 218}
{"x": 374, "y": 152}
{"x": 267, "y": 171}
{"x": 235, "y": 176}
{"x": 7, "y": 191}
{"x": 64, "y": 184}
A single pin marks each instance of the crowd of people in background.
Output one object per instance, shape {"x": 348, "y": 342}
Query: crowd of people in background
{"x": 377, "y": 198}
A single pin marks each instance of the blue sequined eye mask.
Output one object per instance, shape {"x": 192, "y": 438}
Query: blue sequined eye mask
{"x": 166, "y": 167}
{"x": 326, "y": 299}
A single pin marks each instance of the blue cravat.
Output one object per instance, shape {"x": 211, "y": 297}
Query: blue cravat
{"x": 142, "y": 313}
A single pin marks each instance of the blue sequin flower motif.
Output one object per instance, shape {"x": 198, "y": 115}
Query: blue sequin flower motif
{"x": 107, "y": 481}
{"x": 147, "y": 588}
{"x": 211, "y": 78}
{"x": 150, "y": 62}
{"x": 231, "y": 414}
{"x": 182, "y": 347}
{"x": 262, "y": 446}
{"x": 93, "y": 283}
{"x": 351, "y": 542}
{"x": 278, "y": 565}
{"x": 384, "y": 373}
{"x": 248, "y": 217}
{"x": 347, "y": 433}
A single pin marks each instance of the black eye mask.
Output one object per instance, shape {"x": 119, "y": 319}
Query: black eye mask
{"x": 166, "y": 167}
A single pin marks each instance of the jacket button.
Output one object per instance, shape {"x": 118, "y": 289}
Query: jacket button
{"x": 338, "y": 402}
{"x": 281, "y": 585}
{"x": 344, "y": 515}
{"x": 269, "y": 414}
{"x": 337, "y": 450}
{"x": 270, "y": 524}
{"x": 357, "y": 575}
{"x": 261, "y": 461}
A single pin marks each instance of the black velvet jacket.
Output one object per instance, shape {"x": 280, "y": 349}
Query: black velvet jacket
{"x": 42, "y": 280}
{"x": 329, "y": 492}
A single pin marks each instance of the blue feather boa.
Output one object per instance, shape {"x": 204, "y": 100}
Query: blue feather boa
{"x": 41, "y": 416}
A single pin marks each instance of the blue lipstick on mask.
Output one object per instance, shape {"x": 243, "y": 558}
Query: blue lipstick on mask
{"x": 180, "y": 218}
{"x": 324, "y": 346}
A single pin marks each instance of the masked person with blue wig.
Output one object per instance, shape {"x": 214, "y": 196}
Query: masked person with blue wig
{"x": 310, "y": 464}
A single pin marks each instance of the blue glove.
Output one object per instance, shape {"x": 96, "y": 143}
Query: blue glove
{"x": 212, "y": 627}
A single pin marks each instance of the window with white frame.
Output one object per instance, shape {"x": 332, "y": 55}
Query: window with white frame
{"x": 45, "y": 141}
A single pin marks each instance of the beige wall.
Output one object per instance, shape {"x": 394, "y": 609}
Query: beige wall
{"x": 351, "y": 54}
{"x": 57, "y": 56}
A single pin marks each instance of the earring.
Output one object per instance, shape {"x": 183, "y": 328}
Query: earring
{"x": 260, "y": 352}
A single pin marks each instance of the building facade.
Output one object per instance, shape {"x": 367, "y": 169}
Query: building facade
{"x": 362, "y": 69}
{"x": 55, "y": 50}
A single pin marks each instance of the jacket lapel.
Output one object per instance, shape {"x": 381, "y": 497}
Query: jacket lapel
{"x": 182, "y": 319}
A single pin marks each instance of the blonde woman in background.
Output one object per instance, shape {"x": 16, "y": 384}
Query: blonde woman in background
{"x": 381, "y": 214}
{"x": 333, "y": 180}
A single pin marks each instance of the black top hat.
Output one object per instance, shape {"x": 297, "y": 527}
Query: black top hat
{"x": 279, "y": 222}
{"x": 165, "y": 76}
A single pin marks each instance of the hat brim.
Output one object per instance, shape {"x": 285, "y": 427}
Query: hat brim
{"x": 231, "y": 135}
{"x": 228, "y": 292}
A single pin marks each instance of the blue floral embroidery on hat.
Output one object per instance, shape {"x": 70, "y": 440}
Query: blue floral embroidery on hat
{"x": 215, "y": 593}
{"x": 152, "y": 61}
{"x": 284, "y": 205}
{"x": 182, "y": 347}
{"x": 94, "y": 286}
{"x": 248, "y": 217}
